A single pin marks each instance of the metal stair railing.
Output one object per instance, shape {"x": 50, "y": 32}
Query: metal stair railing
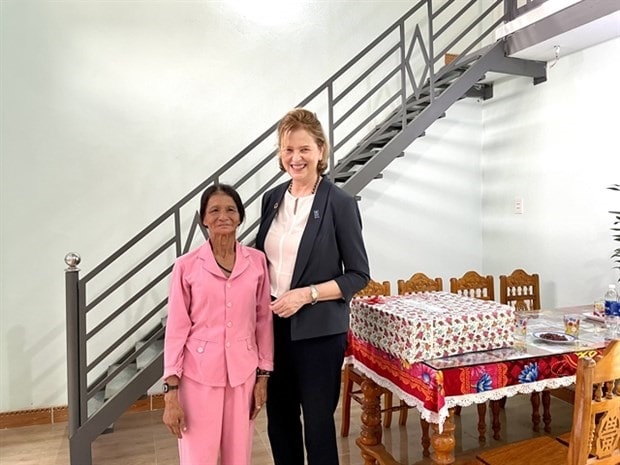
{"x": 115, "y": 312}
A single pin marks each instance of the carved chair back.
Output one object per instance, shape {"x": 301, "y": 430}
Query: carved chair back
{"x": 472, "y": 284}
{"x": 520, "y": 290}
{"x": 419, "y": 282}
{"x": 375, "y": 288}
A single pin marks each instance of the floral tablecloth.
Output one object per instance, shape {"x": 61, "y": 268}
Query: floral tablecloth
{"x": 430, "y": 325}
{"x": 435, "y": 386}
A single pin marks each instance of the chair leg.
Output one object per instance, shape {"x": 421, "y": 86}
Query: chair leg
{"x": 457, "y": 410}
{"x": 346, "y": 403}
{"x": 495, "y": 423}
{"x": 502, "y": 402}
{"x": 387, "y": 405}
{"x": 546, "y": 401}
{"x": 403, "y": 413}
{"x": 426, "y": 439}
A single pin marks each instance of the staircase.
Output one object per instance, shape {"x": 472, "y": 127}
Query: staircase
{"x": 375, "y": 106}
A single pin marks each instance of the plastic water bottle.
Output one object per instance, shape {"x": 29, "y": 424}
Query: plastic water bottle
{"x": 611, "y": 300}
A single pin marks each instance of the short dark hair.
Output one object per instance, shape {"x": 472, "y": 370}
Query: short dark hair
{"x": 221, "y": 189}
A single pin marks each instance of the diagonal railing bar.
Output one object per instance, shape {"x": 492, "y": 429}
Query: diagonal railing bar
{"x": 367, "y": 120}
{"x": 490, "y": 29}
{"x": 466, "y": 31}
{"x": 135, "y": 327}
{"x": 461, "y": 12}
{"x": 441, "y": 9}
{"x": 267, "y": 159}
{"x": 376, "y": 88}
{"x": 264, "y": 189}
{"x": 129, "y": 274}
{"x": 121, "y": 251}
{"x": 371, "y": 68}
{"x": 133, "y": 299}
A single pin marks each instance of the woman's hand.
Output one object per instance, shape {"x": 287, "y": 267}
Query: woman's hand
{"x": 260, "y": 396}
{"x": 290, "y": 302}
{"x": 174, "y": 418}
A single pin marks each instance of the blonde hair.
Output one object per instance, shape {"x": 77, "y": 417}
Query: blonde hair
{"x": 300, "y": 118}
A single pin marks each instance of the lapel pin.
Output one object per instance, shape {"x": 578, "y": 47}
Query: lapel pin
{"x": 316, "y": 215}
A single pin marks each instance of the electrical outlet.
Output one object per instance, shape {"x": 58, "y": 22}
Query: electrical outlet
{"x": 518, "y": 206}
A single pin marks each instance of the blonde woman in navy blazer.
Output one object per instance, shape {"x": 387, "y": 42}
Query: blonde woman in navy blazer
{"x": 219, "y": 339}
{"x": 311, "y": 233}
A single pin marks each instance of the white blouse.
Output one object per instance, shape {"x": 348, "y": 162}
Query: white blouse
{"x": 283, "y": 238}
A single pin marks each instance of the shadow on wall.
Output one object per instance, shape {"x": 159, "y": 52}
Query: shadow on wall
{"x": 20, "y": 360}
{"x": 19, "y": 372}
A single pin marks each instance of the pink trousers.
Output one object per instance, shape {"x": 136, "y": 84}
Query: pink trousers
{"x": 218, "y": 422}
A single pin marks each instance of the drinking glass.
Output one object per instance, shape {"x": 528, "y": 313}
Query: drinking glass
{"x": 571, "y": 324}
{"x": 612, "y": 326}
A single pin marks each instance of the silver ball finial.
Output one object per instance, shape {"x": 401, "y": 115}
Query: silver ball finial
{"x": 73, "y": 260}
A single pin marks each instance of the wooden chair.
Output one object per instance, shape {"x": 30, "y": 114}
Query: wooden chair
{"x": 419, "y": 282}
{"x": 522, "y": 292}
{"x": 595, "y": 435}
{"x": 471, "y": 284}
{"x": 352, "y": 377}
{"x": 474, "y": 285}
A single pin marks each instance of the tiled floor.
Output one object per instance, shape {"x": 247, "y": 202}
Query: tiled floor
{"x": 141, "y": 438}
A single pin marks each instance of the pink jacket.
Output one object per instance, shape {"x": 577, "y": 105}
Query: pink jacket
{"x": 218, "y": 329}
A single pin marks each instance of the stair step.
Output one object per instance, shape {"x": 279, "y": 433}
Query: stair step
{"x": 120, "y": 380}
{"x": 385, "y": 134}
{"x": 95, "y": 402}
{"x": 150, "y": 353}
{"x": 344, "y": 176}
{"x": 361, "y": 159}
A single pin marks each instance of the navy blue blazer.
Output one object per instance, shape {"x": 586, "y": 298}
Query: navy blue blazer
{"x": 331, "y": 247}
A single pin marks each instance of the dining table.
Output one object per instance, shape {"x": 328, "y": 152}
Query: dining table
{"x": 438, "y": 350}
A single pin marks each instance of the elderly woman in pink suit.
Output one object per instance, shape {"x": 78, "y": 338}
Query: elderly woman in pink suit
{"x": 219, "y": 339}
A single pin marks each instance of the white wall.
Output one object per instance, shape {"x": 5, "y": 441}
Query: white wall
{"x": 555, "y": 146}
{"x": 425, "y": 214}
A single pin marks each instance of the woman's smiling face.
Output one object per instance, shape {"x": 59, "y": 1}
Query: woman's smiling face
{"x": 300, "y": 155}
{"x": 221, "y": 215}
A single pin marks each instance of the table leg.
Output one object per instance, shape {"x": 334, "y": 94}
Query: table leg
{"x": 546, "y": 401}
{"x": 371, "y": 419}
{"x": 482, "y": 421}
{"x": 444, "y": 443}
{"x": 372, "y": 450}
{"x": 535, "y": 400}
